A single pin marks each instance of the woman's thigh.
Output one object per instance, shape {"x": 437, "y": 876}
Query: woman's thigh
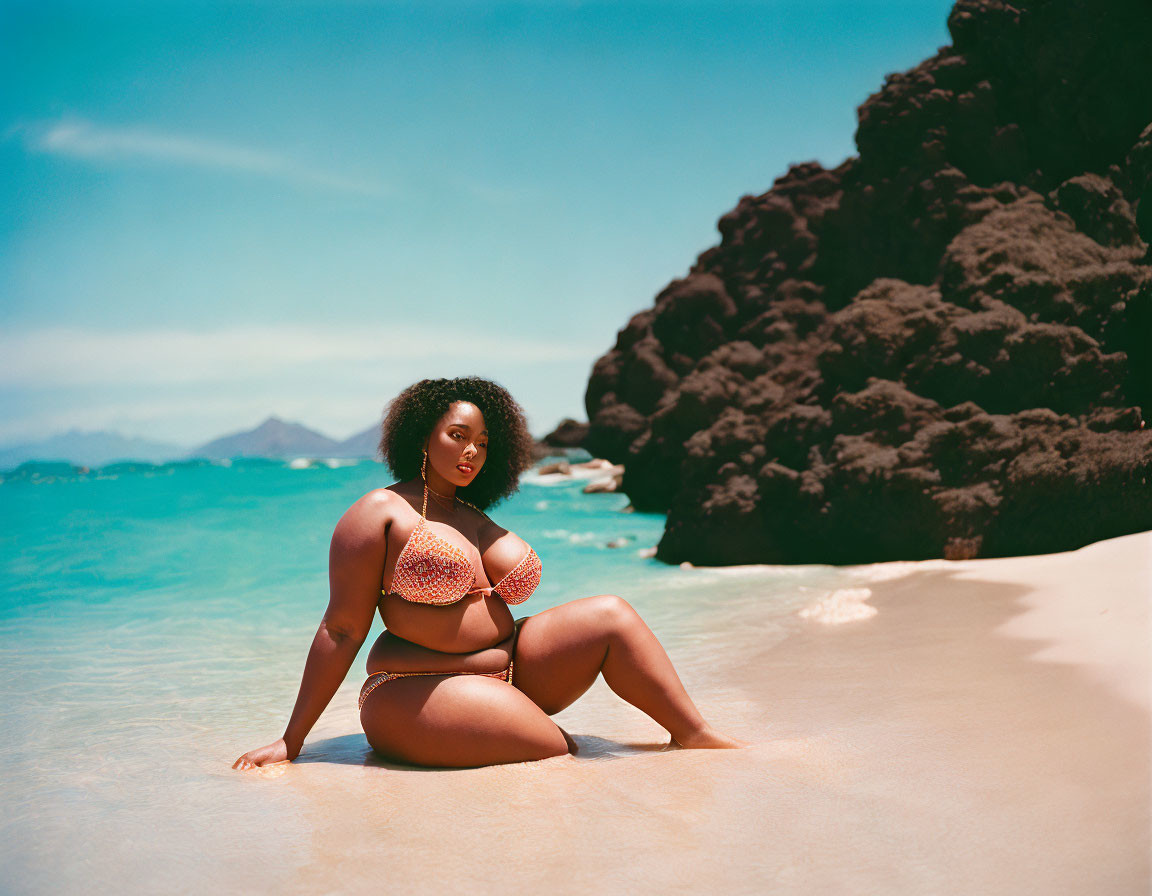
{"x": 458, "y": 721}
{"x": 560, "y": 651}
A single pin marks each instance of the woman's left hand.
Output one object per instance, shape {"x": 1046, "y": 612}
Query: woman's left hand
{"x": 277, "y": 751}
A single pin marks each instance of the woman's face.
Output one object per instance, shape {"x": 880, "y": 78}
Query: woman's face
{"x": 458, "y": 445}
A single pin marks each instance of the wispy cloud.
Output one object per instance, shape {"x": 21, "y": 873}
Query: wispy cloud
{"x": 75, "y": 357}
{"x": 77, "y": 138}
{"x": 188, "y": 386}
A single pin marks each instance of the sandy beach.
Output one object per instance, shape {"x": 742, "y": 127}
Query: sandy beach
{"x": 985, "y": 730}
{"x": 943, "y": 727}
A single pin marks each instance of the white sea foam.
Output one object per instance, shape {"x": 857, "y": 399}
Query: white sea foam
{"x": 755, "y": 570}
{"x": 576, "y": 537}
{"x": 576, "y": 471}
{"x": 545, "y": 479}
{"x": 898, "y": 569}
{"x": 842, "y": 605}
{"x": 311, "y": 463}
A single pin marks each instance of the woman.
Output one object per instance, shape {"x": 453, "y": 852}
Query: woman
{"x": 454, "y": 681}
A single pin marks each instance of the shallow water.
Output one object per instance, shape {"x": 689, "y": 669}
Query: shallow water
{"x": 154, "y": 625}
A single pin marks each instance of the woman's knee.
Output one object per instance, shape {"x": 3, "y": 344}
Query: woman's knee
{"x": 555, "y": 744}
{"x": 615, "y": 611}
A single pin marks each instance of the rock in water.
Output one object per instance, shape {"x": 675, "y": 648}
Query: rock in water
{"x": 942, "y": 347}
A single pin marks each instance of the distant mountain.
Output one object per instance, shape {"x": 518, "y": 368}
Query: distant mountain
{"x": 363, "y": 444}
{"x": 90, "y": 449}
{"x": 272, "y": 438}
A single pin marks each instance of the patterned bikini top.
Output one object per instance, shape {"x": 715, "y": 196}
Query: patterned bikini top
{"x": 432, "y": 570}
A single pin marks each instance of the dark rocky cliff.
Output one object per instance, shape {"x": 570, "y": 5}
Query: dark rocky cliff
{"x": 942, "y": 347}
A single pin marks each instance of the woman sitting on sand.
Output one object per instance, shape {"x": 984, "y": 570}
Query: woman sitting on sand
{"x": 426, "y": 555}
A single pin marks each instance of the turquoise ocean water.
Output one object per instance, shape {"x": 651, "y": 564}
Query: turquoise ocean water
{"x": 154, "y": 622}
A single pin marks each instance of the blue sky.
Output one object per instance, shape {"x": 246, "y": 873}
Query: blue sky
{"x": 216, "y": 212}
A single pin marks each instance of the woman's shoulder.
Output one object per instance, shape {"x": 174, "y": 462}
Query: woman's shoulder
{"x": 380, "y": 497}
{"x": 361, "y": 532}
{"x": 380, "y": 504}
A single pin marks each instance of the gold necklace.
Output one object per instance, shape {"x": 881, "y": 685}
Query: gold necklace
{"x": 454, "y": 499}
{"x": 443, "y": 498}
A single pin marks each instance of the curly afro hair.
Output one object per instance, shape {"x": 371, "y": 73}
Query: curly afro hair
{"x": 410, "y": 416}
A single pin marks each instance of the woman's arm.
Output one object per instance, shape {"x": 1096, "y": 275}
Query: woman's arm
{"x": 355, "y": 566}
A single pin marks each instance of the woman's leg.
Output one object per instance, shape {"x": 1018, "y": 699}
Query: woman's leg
{"x": 458, "y": 721}
{"x": 561, "y": 651}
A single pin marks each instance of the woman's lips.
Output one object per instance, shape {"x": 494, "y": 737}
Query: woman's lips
{"x": 464, "y": 468}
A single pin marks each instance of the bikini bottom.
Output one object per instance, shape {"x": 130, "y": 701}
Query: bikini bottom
{"x": 378, "y": 678}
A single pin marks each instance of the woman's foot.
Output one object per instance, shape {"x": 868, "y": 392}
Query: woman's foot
{"x": 708, "y": 738}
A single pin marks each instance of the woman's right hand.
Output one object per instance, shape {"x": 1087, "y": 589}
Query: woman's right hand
{"x": 277, "y": 751}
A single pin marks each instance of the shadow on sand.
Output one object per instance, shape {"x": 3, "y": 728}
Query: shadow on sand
{"x": 353, "y": 749}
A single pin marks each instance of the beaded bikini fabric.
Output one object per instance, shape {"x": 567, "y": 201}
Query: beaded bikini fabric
{"x": 378, "y": 678}
{"x": 518, "y": 585}
{"x": 440, "y": 574}
{"x": 432, "y": 570}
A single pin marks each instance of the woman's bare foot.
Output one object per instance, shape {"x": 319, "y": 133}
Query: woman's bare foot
{"x": 708, "y": 738}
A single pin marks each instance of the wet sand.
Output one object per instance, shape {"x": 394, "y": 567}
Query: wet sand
{"x": 985, "y": 730}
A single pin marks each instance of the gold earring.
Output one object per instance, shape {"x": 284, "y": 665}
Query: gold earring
{"x": 423, "y": 463}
